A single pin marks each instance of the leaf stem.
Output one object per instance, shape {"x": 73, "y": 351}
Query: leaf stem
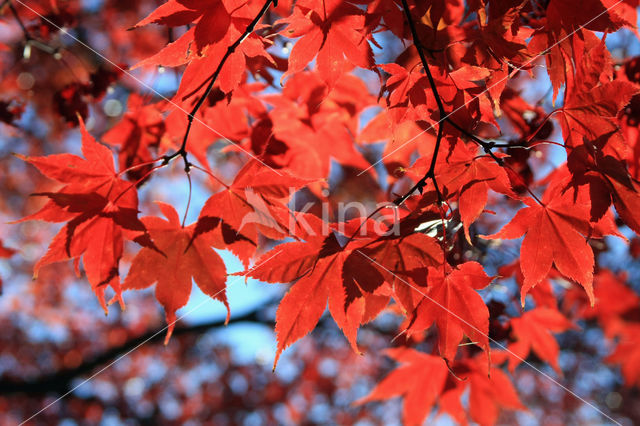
{"x": 137, "y": 166}
{"x": 186, "y": 210}
{"x": 134, "y": 184}
{"x": 214, "y": 177}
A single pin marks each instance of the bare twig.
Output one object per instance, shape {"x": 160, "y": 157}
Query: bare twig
{"x": 230, "y": 50}
{"x": 60, "y": 381}
{"x": 444, "y": 118}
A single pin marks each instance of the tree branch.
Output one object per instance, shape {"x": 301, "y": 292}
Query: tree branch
{"x": 431, "y": 173}
{"x": 212, "y": 79}
{"x": 60, "y": 381}
{"x": 29, "y": 39}
{"x": 14, "y": 12}
{"x": 444, "y": 117}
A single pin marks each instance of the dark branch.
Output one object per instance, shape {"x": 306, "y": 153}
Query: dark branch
{"x": 25, "y": 31}
{"x": 29, "y": 39}
{"x": 212, "y": 79}
{"x": 431, "y": 173}
{"x": 61, "y": 381}
{"x": 444, "y": 117}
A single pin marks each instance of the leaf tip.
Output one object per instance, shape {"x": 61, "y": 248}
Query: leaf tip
{"x": 275, "y": 361}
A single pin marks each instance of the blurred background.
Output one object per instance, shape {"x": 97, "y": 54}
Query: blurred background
{"x": 64, "y": 362}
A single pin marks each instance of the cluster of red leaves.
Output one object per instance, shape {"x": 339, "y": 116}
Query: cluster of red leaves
{"x": 72, "y": 101}
{"x": 294, "y": 134}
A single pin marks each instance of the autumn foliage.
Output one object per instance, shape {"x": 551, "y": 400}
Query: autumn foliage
{"x": 455, "y": 184}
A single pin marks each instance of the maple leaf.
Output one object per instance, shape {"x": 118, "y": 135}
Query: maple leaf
{"x": 568, "y": 53}
{"x": 332, "y": 30}
{"x": 420, "y": 379}
{"x": 592, "y": 114}
{"x": 141, "y": 128}
{"x": 407, "y": 93}
{"x": 218, "y": 25}
{"x": 452, "y": 303}
{"x": 554, "y": 231}
{"x": 615, "y": 301}
{"x": 608, "y": 181}
{"x": 402, "y": 141}
{"x": 213, "y": 18}
{"x": 225, "y": 117}
{"x": 627, "y": 354}
{"x": 423, "y": 380}
{"x": 542, "y": 293}
{"x": 405, "y": 258}
{"x": 324, "y": 272}
{"x": 488, "y": 393}
{"x": 503, "y": 36}
{"x": 595, "y": 15}
{"x": 254, "y": 203}
{"x": 471, "y": 176}
{"x": 465, "y": 86}
{"x": 532, "y": 331}
{"x": 180, "y": 256}
{"x": 98, "y": 207}
{"x": 296, "y": 133}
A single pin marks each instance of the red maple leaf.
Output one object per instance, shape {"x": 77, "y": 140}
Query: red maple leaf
{"x": 98, "y": 207}
{"x": 332, "y": 30}
{"x": 488, "y": 393}
{"x": 254, "y": 203}
{"x": 324, "y": 272}
{"x": 179, "y": 257}
{"x": 420, "y": 379}
{"x": 310, "y": 125}
{"x": 542, "y": 293}
{"x": 615, "y": 301}
{"x": 453, "y": 304}
{"x": 423, "y": 381}
{"x": 627, "y": 354}
{"x": 608, "y": 181}
{"x": 471, "y": 176}
{"x": 405, "y": 258}
{"x": 402, "y": 141}
{"x": 532, "y": 332}
{"x": 555, "y": 231}
{"x": 218, "y": 24}
{"x": 141, "y": 128}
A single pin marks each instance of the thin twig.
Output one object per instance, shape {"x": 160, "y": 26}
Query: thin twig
{"x": 429, "y": 175}
{"x": 230, "y": 50}
{"x": 444, "y": 118}
{"x": 25, "y": 31}
{"x": 29, "y": 39}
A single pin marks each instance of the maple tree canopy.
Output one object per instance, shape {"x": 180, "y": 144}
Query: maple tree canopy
{"x": 450, "y": 187}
